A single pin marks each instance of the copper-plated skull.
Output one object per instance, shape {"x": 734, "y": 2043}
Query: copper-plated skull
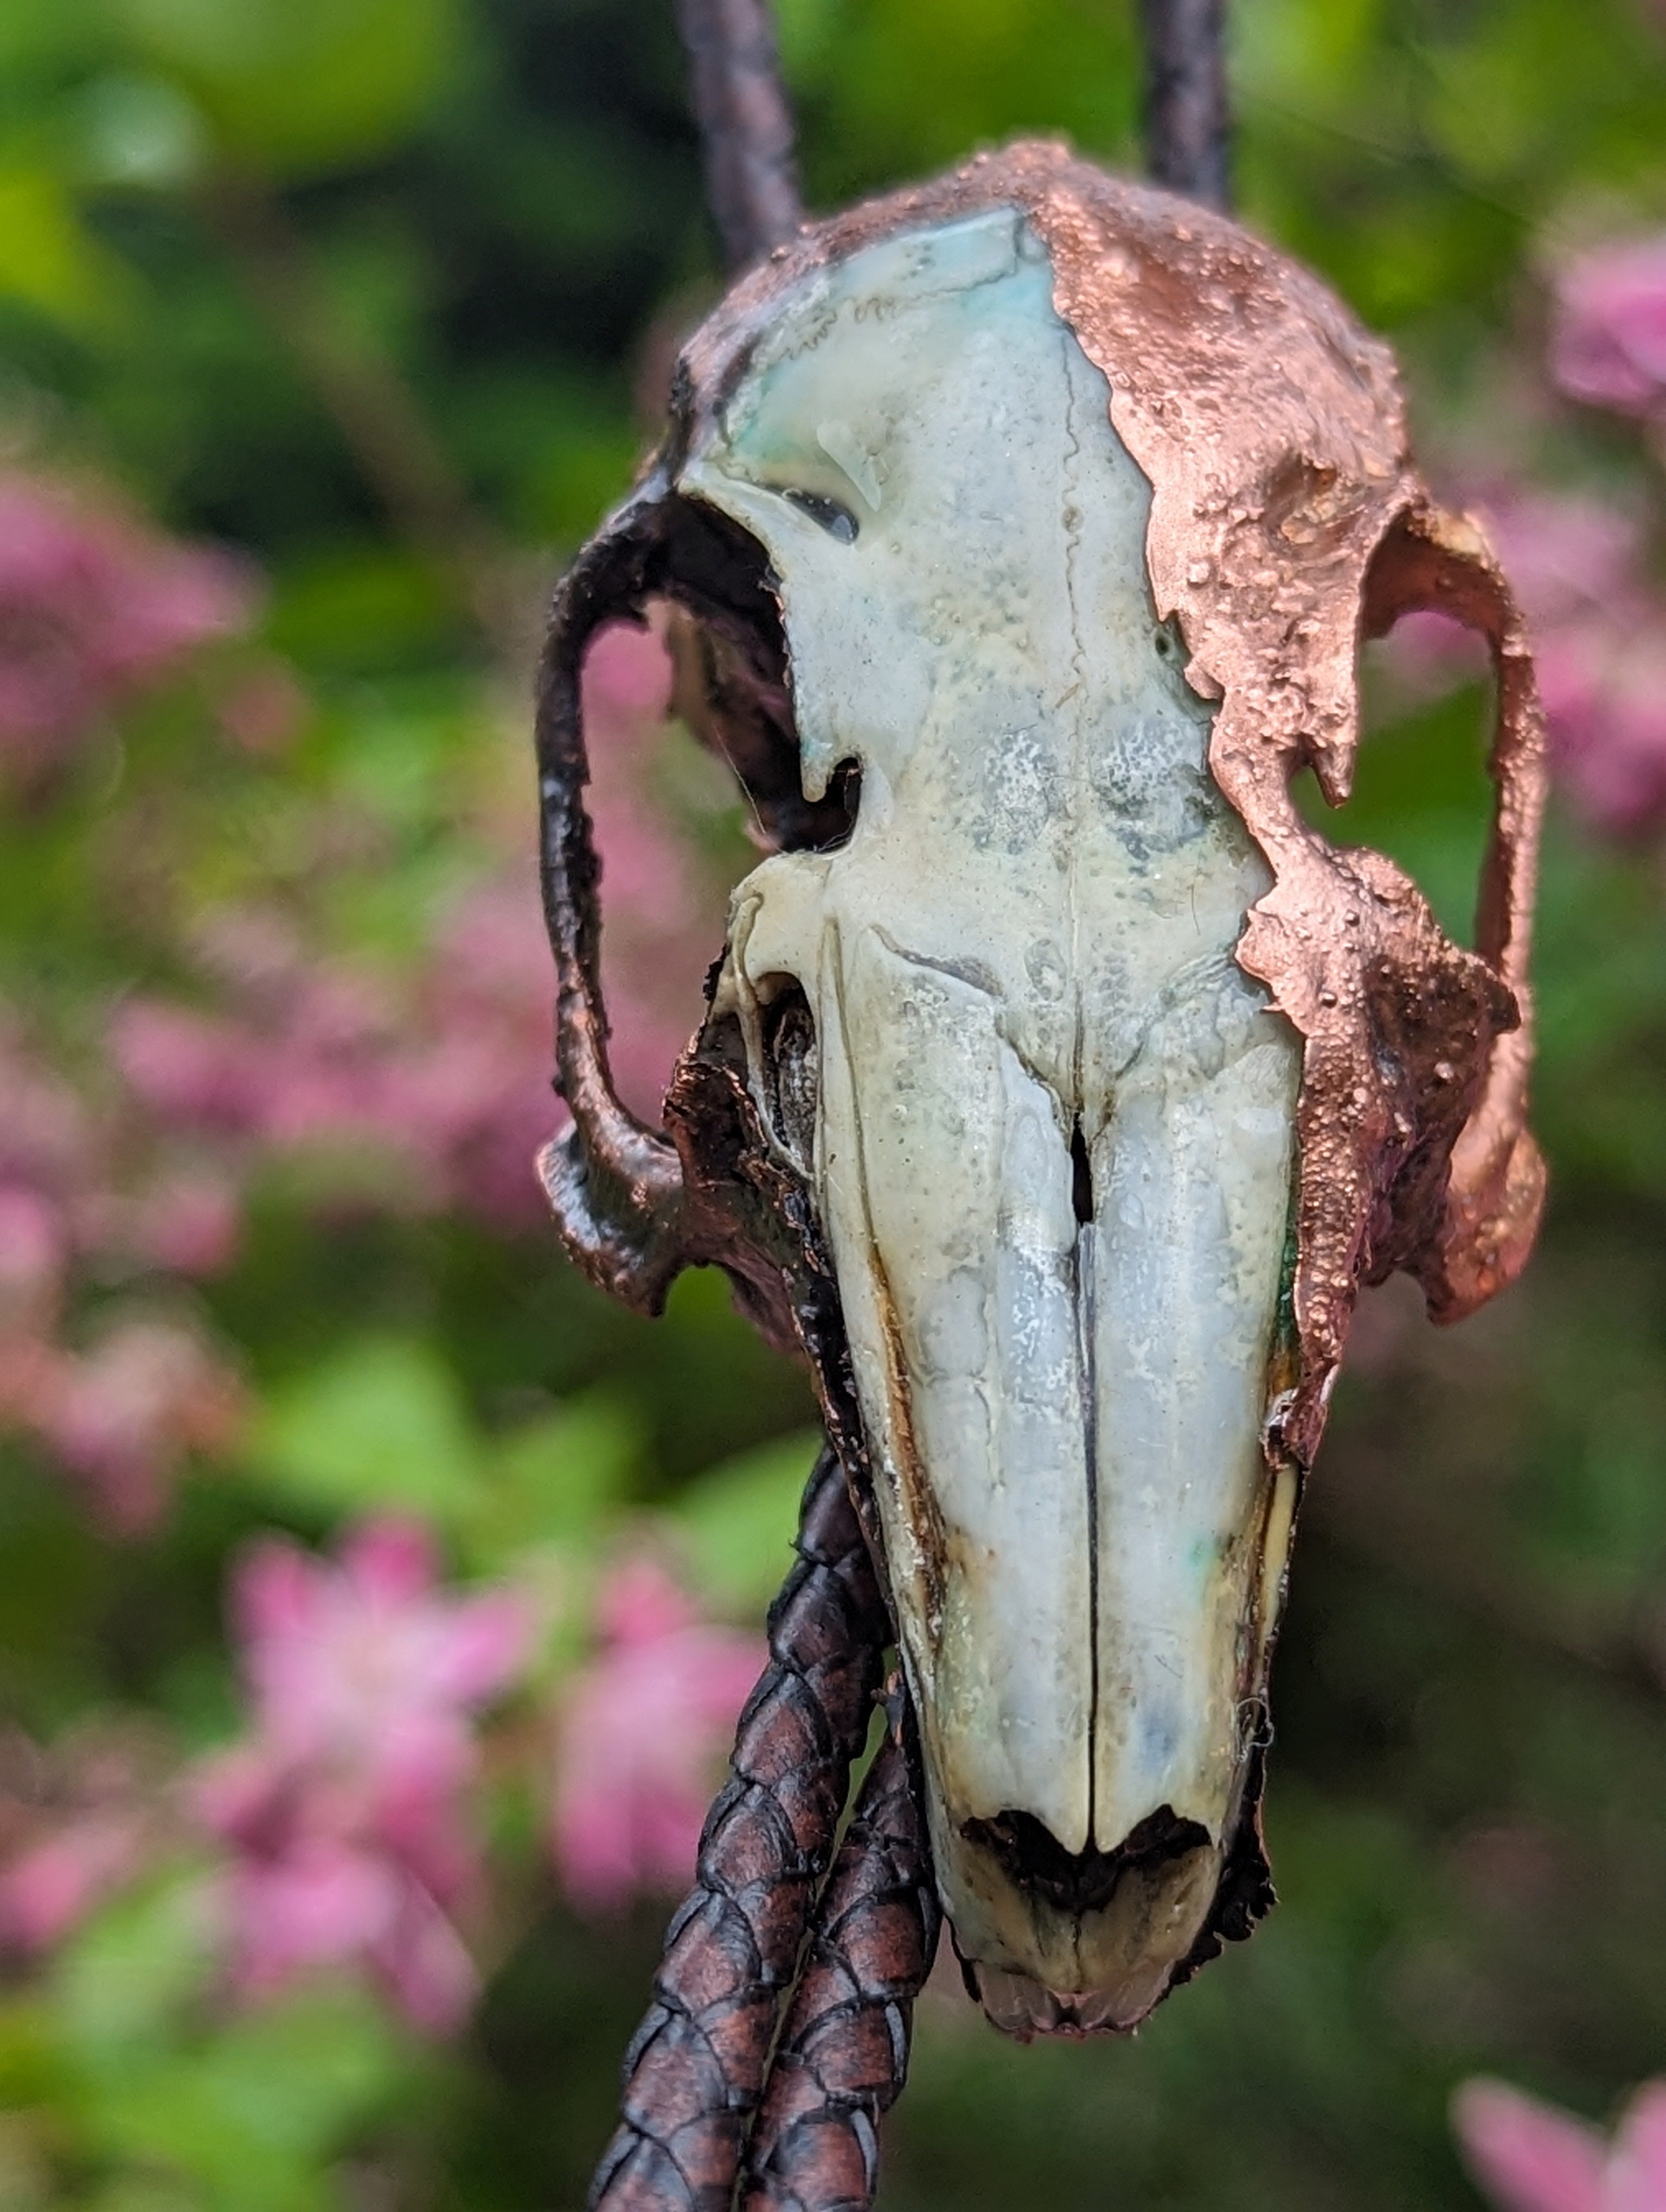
{"x": 1059, "y": 1086}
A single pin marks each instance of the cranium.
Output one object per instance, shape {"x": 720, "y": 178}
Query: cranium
{"x": 1058, "y": 1087}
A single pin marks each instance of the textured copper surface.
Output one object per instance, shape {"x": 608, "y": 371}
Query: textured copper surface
{"x": 694, "y": 2069}
{"x": 1288, "y": 521}
{"x": 1286, "y": 518}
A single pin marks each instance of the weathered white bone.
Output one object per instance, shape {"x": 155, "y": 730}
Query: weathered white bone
{"x": 1027, "y": 943}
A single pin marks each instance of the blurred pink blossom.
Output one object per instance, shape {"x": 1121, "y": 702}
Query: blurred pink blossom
{"x": 186, "y": 1222}
{"x": 474, "y": 1083}
{"x": 32, "y": 1250}
{"x": 121, "y": 1417}
{"x": 48, "y": 1141}
{"x": 452, "y": 1075}
{"x": 1529, "y": 2157}
{"x": 1608, "y": 347}
{"x": 265, "y": 709}
{"x": 1568, "y": 555}
{"x": 1425, "y": 655}
{"x": 1604, "y": 689}
{"x": 77, "y": 1822}
{"x": 93, "y": 606}
{"x": 50, "y": 1888}
{"x": 345, "y": 1808}
{"x": 448, "y": 1069}
{"x": 1600, "y": 640}
{"x": 194, "y": 1071}
{"x": 642, "y": 1738}
{"x": 78, "y": 1181}
{"x": 1599, "y": 632}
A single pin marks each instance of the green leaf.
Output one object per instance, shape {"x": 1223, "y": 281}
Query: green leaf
{"x": 144, "y": 2192}
{"x": 740, "y": 1521}
{"x": 381, "y": 1427}
{"x": 553, "y": 1480}
{"x": 296, "y": 85}
{"x": 49, "y": 259}
{"x": 122, "y": 1983}
{"x": 257, "y": 2114}
{"x": 1422, "y": 796}
{"x": 138, "y": 131}
{"x": 30, "y": 2059}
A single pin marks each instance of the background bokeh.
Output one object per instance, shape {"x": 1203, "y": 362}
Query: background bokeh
{"x": 374, "y": 1598}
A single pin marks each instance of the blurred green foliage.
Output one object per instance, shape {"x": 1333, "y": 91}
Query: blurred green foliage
{"x": 499, "y": 201}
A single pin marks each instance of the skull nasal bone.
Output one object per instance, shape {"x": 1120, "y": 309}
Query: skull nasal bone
{"x": 1075, "y": 1882}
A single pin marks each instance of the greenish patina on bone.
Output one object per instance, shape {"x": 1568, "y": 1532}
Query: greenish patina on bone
{"x": 1026, "y": 945}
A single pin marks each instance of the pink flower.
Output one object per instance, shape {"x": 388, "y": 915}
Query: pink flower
{"x": 1609, "y": 343}
{"x": 363, "y": 1666}
{"x": 642, "y": 1741}
{"x": 1528, "y": 2157}
{"x": 47, "y": 1139}
{"x": 122, "y": 1417}
{"x": 449, "y": 1069}
{"x": 194, "y": 1071}
{"x": 1566, "y": 557}
{"x": 324, "y": 1902}
{"x": 92, "y": 606}
{"x": 76, "y": 1823}
{"x": 474, "y": 1084}
{"x": 1600, "y": 639}
{"x": 627, "y": 675}
{"x": 1604, "y": 690}
{"x": 345, "y": 1808}
{"x": 265, "y": 709}
{"x": 187, "y": 1222}
{"x": 32, "y": 1250}
{"x": 50, "y": 1888}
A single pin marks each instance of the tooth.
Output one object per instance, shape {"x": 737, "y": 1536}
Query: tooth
{"x": 1021, "y": 972}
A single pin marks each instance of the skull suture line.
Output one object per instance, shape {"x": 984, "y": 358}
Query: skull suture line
{"x": 1059, "y": 1086}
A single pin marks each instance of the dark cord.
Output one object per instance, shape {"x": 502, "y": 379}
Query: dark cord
{"x": 1187, "y": 123}
{"x": 698, "y": 2065}
{"x": 740, "y": 103}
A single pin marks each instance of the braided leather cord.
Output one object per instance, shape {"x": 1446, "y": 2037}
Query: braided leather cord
{"x": 843, "y": 2053}
{"x": 696, "y": 2066}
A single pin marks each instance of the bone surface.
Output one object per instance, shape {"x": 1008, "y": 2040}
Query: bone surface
{"x": 1053, "y": 1139}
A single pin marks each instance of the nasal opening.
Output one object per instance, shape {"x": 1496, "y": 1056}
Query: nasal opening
{"x": 1075, "y": 1882}
{"x": 1082, "y": 1174}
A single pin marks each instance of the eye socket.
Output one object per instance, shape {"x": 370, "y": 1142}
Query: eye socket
{"x": 837, "y": 521}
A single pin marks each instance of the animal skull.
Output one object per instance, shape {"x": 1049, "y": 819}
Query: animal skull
{"x": 1058, "y": 1087}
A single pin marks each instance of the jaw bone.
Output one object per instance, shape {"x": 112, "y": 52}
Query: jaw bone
{"x": 1052, "y": 1140}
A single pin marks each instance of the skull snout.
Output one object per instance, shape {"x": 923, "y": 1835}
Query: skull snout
{"x": 1042, "y": 1285}
{"x": 1108, "y": 1929}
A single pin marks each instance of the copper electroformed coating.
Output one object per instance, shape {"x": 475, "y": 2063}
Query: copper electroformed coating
{"x": 1287, "y": 523}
